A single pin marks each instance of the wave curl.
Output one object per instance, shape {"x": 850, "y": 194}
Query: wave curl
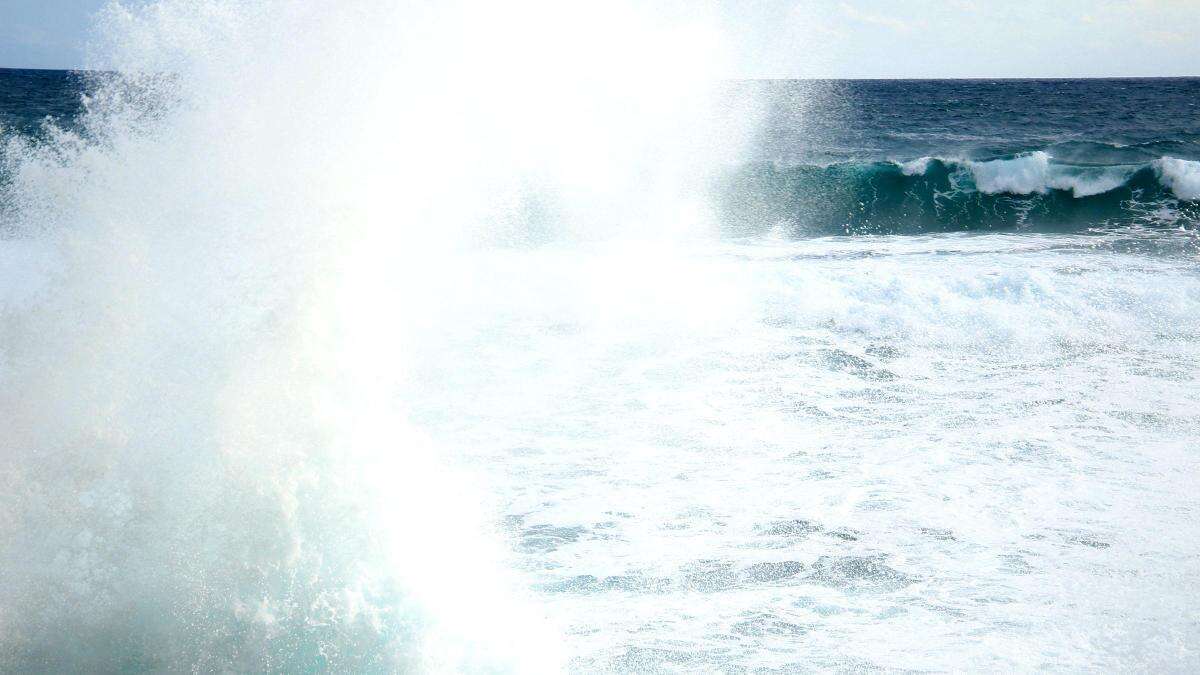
{"x": 931, "y": 194}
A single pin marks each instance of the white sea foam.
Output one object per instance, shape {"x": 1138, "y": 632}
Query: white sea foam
{"x": 915, "y": 167}
{"x": 1181, "y": 176}
{"x": 1036, "y": 173}
{"x": 1086, "y": 182}
{"x": 1023, "y": 175}
{"x": 851, "y": 440}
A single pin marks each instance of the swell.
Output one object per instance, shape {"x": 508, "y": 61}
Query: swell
{"x": 932, "y": 194}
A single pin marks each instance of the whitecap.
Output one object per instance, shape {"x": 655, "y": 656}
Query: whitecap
{"x": 1180, "y": 176}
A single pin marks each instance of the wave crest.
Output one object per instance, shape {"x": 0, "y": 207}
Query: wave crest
{"x": 1181, "y": 176}
{"x": 941, "y": 194}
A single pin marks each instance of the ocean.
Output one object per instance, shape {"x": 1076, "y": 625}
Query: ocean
{"x": 303, "y": 375}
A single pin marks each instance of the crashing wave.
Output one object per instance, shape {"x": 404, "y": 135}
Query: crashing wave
{"x": 1180, "y": 175}
{"x": 1034, "y": 173}
{"x": 941, "y": 194}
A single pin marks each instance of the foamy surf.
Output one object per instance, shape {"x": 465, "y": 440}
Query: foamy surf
{"x": 1181, "y": 176}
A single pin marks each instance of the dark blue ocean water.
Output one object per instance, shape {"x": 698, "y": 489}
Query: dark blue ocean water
{"x": 1095, "y": 121}
{"x": 30, "y": 97}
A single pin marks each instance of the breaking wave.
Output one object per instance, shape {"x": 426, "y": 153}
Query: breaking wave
{"x": 930, "y": 194}
{"x": 210, "y": 285}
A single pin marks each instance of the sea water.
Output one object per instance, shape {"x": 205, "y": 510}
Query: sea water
{"x": 301, "y": 374}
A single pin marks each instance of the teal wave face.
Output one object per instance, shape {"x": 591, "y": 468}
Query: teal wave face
{"x": 939, "y": 195}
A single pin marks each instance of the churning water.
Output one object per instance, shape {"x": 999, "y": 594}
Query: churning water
{"x": 394, "y": 338}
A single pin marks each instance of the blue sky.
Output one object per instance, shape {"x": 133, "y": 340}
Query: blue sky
{"x": 44, "y": 33}
{"x": 832, "y": 38}
{"x": 970, "y": 38}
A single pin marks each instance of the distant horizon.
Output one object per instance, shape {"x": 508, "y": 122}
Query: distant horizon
{"x": 1015, "y": 78}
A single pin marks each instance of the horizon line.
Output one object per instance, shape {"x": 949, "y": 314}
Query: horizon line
{"x": 821, "y": 78}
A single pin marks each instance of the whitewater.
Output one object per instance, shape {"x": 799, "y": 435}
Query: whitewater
{"x": 370, "y": 339}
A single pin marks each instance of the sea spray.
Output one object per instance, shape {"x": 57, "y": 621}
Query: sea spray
{"x": 206, "y": 465}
